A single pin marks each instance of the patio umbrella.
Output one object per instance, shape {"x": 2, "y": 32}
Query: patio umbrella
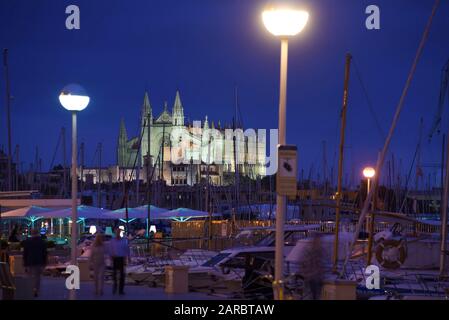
{"x": 84, "y": 212}
{"x": 120, "y": 214}
{"x": 155, "y": 212}
{"x": 26, "y": 212}
{"x": 138, "y": 213}
{"x": 31, "y": 213}
{"x": 184, "y": 214}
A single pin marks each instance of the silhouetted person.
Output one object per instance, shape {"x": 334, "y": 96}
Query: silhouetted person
{"x": 311, "y": 266}
{"x": 4, "y": 251}
{"x": 119, "y": 251}
{"x": 97, "y": 260}
{"x": 14, "y": 236}
{"x": 35, "y": 258}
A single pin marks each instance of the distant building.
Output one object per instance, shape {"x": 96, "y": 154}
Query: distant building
{"x": 196, "y": 156}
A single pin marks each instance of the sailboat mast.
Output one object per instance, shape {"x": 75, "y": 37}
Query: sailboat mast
{"x": 8, "y": 116}
{"x": 149, "y": 178}
{"x": 236, "y": 156}
{"x": 17, "y": 167}
{"x": 64, "y": 192}
{"x": 99, "y": 175}
{"x": 340, "y": 159}
{"x": 82, "y": 168}
{"x": 444, "y": 216}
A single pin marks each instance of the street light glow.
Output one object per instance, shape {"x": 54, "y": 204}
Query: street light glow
{"x": 284, "y": 22}
{"x": 93, "y": 229}
{"x": 369, "y": 172}
{"x": 74, "y": 98}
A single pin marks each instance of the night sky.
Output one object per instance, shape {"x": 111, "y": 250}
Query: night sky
{"x": 204, "y": 48}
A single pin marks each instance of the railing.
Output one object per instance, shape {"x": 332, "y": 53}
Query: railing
{"x": 408, "y": 227}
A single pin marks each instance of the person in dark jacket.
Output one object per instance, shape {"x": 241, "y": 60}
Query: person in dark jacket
{"x": 35, "y": 258}
{"x": 14, "y": 236}
{"x": 312, "y": 266}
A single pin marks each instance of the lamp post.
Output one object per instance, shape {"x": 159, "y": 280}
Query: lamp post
{"x": 283, "y": 23}
{"x": 74, "y": 99}
{"x": 369, "y": 173}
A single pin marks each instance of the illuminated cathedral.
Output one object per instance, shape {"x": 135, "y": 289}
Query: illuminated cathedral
{"x": 207, "y": 155}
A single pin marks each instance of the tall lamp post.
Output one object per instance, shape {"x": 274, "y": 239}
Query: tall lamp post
{"x": 369, "y": 174}
{"x": 74, "y": 99}
{"x": 283, "y": 23}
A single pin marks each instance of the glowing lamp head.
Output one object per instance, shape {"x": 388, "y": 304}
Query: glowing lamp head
{"x": 93, "y": 229}
{"x": 284, "y": 22}
{"x": 122, "y": 231}
{"x": 74, "y": 98}
{"x": 369, "y": 172}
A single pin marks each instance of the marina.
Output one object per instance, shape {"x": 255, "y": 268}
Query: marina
{"x": 212, "y": 209}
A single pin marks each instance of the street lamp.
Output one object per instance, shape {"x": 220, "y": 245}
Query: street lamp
{"x": 282, "y": 22}
{"x": 74, "y": 98}
{"x": 369, "y": 173}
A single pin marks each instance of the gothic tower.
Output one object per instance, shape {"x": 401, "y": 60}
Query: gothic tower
{"x": 147, "y": 113}
{"x": 178, "y": 111}
{"x": 121, "y": 149}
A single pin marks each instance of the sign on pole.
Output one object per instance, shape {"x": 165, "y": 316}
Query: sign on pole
{"x": 286, "y": 183}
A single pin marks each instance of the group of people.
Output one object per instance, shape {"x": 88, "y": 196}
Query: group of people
{"x": 118, "y": 250}
{"x": 35, "y": 259}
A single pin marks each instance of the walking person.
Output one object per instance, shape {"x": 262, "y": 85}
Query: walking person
{"x": 312, "y": 267}
{"x": 97, "y": 261}
{"x": 35, "y": 258}
{"x": 119, "y": 251}
{"x": 14, "y": 236}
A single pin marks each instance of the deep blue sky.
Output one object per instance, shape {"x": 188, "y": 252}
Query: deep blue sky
{"x": 204, "y": 48}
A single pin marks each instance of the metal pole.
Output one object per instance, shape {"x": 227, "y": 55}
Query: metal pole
{"x": 371, "y": 227}
{"x": 149, "y": 177}
{"x": 444, "y": 217}
{"x": 368, "y": 184}
{"x": 17, "y": 168}
{"x": 161, "y": 172}
{"x": 340, "y": 160}
{"x": 236, "y": 125}
{"x": 99, "y": 176}
{"x": 65, "y": 163}
{"x": 443, "y": 146}
{"x": 82, "y": 169}
{"x": 209, "y": 235}
{"x": 281, "y": 201}
{"x": 8, "y": 117}
{"x": 74, "y": 231}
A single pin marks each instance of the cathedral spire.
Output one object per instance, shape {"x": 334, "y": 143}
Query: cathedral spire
{"x": 177, "y": 105}
{"x": 122, "y": 140}
{"x": 178, "y": 111}
{"x": 123, "y": 134}
{"x": 146, "y": 109}
{"x": 206, "y": 124}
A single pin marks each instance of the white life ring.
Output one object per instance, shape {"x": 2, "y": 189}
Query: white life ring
{"x": 391, "y": 254}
